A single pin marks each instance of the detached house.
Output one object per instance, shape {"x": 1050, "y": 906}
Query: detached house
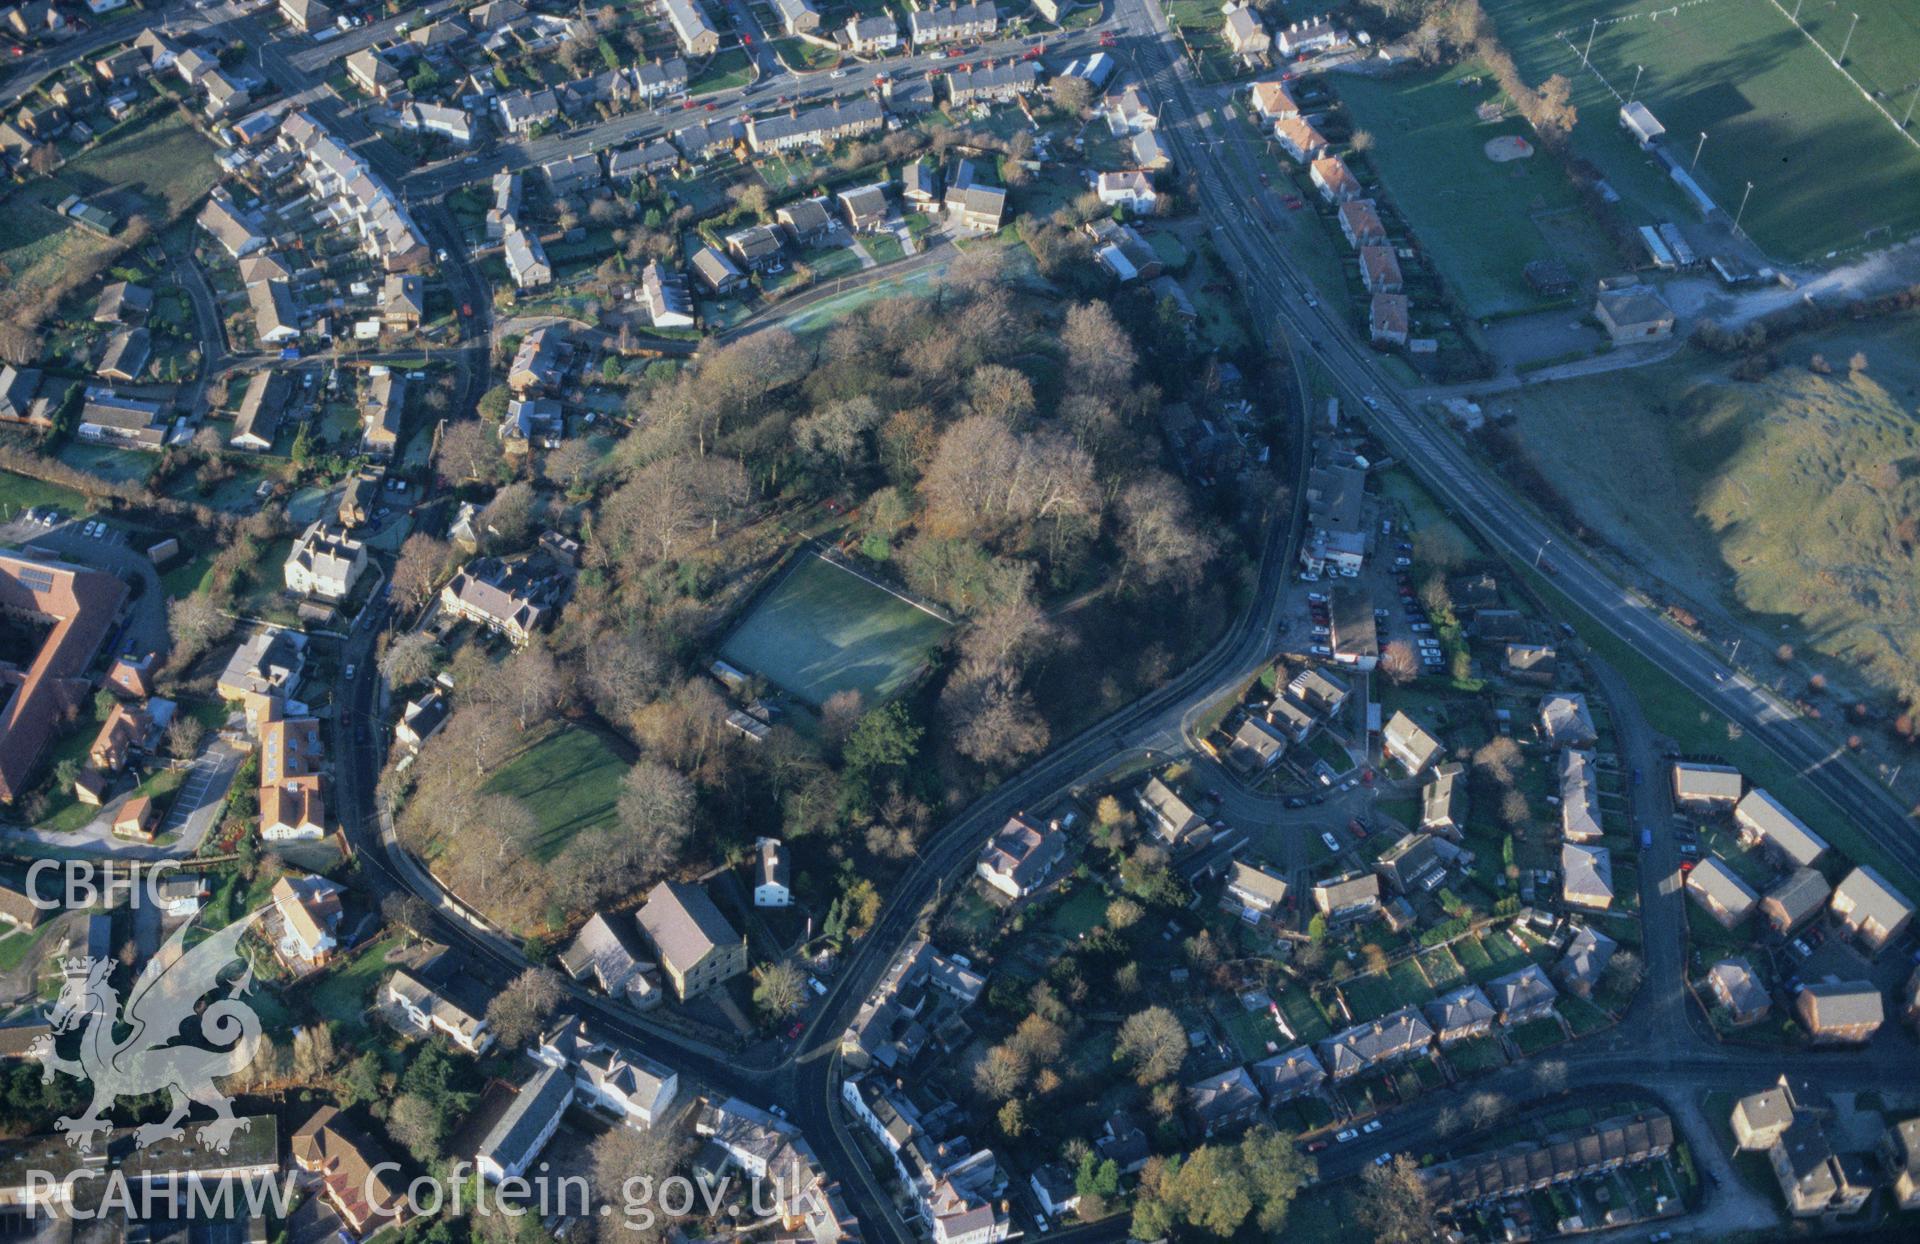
{"x": 1763, "y": 819}
{"x": 441, "y": 997}
{"x": 1705, "y": 785}
{"x": 1018, "y": 860}
{"x": 608, "y": 1076}
{"x": 1245, "y": 33}
{"x": 356, "y": 1176}
{"x": 309, "y": 911}
{"x": 1735, "y": 987}
{"x": 325, "y": 562}
{"x": 1334, "y": 179}
{"x": 772, "y": 874}
{"x": 1256, "y": 890}
{"x": 1349, "y": 896}
{"x": 1794, "y": 901}
{"x": 1223, "y": 1103}
{"x": 1721, "y": 891}
{"x": 1408, "y": 744}
{"x": 1845, "y": 1012}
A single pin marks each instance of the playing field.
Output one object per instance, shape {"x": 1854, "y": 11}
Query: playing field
{"x": 824, "y": 629}
{"x": 1481, "y": 222}
{"x": 569, "y": 777}
{"x": 1829, "y": 171}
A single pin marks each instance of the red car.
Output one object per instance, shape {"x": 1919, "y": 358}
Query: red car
{"x": 466, "y": 308}
{"x": 1106, "y": 40}
{"x": 1293, "y": 203}
{"x": 799, "y": 1025}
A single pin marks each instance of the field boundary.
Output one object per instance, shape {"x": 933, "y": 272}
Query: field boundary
{"x": 1851, "y": 80}
{"x": 828, "y": 554}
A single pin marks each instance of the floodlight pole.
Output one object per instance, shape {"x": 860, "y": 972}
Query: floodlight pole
{"x": 1743, "y": 208}
{"x": 1910, "y": 104}
{"x": 1696, "y": 151}
{"x": 1796, "y": 12}
{"x": 1842, "y": 58}
{"x": 1591, "y": 31}
{"x": 1637, "y": 71}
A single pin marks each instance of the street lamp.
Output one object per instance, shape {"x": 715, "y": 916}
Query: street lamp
{"x": 1743, "y": 208}
{"x": 1696, "y": 151}
{"x": 1842, "y": 58}
{"x": 1541, "y": 552}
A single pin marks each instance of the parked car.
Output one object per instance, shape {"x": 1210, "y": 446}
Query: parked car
{"x": 1346, "y": 1135}
{"x": 1373, "y": 1127}
{"x": 1333, "y": 844}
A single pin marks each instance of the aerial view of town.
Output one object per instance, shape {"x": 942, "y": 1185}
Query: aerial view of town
{"x": 795, "y": 621}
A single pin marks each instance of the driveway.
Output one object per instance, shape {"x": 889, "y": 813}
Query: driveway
{"x": 195, "y": 810}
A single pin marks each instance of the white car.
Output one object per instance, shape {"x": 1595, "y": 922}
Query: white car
{"x": 1345, "y": 1136}
{"x": 1383, "y": 1159}
{"x": 1373, "y": 1127}
{"x": 1333, "y": 844}
{"x": 1321, "y": 650}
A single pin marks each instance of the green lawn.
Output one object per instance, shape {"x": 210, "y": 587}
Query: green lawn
{"x": 1369, "y": 997}
{"x": 21, "y": 492}
{"x": 824, "y": 629}
{"x": 725, "y": 71}
{"x": 1477, "y": 1054}
{"x": 884, "y": 247}
{"x": 1477, "y": 219}
{"x": 1410, "y": 984}
{"x": 803, "y": 56}
{"x": 15, "y": 946}
{"x": 1081, "y": 911}
{"x": 1473, "y": 959}
{"x": 347, "y": 989}
{"x": 1583, "y": 1016}
{"x": 569, "y": 777}
{"x": 1771, "y": 105}
{"x": 1442, "y": 968}
{"x": 1304, "y": 1016}
{"x": 1537, "y": 1035}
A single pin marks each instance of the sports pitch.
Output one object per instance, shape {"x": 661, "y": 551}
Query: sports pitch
{"x": 824, "y": 629}
{"x": 1829, "y": 171}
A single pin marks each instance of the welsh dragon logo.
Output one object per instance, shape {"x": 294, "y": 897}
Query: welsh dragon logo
{"x": 152, "y": 1055}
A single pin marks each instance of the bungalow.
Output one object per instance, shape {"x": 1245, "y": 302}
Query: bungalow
{"x": 1459, "y": 1015}
{"x": 258, "y": 418}
{"x": 1389, "y": 319}
{"x": 1129, "y": 188}
{"x": 1246, "y": 34}
{"x": 1720, "y": 890}
{"x": 1849, "y": 1011}
{"x": 1735, "y": 987}
{"x": 1566, "y": 722}
{"x": 1318, "y": 690}
{"x": 1633, "y": 314}
{"x": 1254, "y": 889}
{"x": 1380, "y": 270}
{"x": 1795, "y": 900}
{"x": 1696, "y": 784}
{"x": 1299, "y": 139}
{"x": 871, "y": 36}
{"x": 239, "y": 233}
{"x": 1403, "y": 1034}
{"x": 136, "y": 819}
{"x": 1017, "y": 860}
{"x": 716, "y": 271}
{"x": 1410, "y": 745}
{"x": 1287, "y": 1075}
{"x": 1764, "y": 819}
{"x": 109, "y": 419}
{"x": 1871, "y": 910}
{"x": 1223, "y": 1103}
{"x": 772, "y": 874}
{"x": 980, "y": 206}
{"x": 123, "y": 303}
{"x": 1348, "y": 896}
{"x": 276, "y": 317}
{"x": 692, "y": 27}
{"x": 865, "y": 206}
{"x": 126, "y": 355}
{"x": 1586, "y": 876}
{"x": 17, "y": 388}
{"x": 1522, "y": 996}
{"x": 1334, "y": 180}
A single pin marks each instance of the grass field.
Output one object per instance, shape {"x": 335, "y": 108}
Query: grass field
{"x": 1475, "y": 217}
{"x": 1774, "y": 109}
{"x": 569, "y": 777}
{"x": 1785, "y": 499}
{"x": 21, "y": 492}
{"x": 824, "y": 629}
